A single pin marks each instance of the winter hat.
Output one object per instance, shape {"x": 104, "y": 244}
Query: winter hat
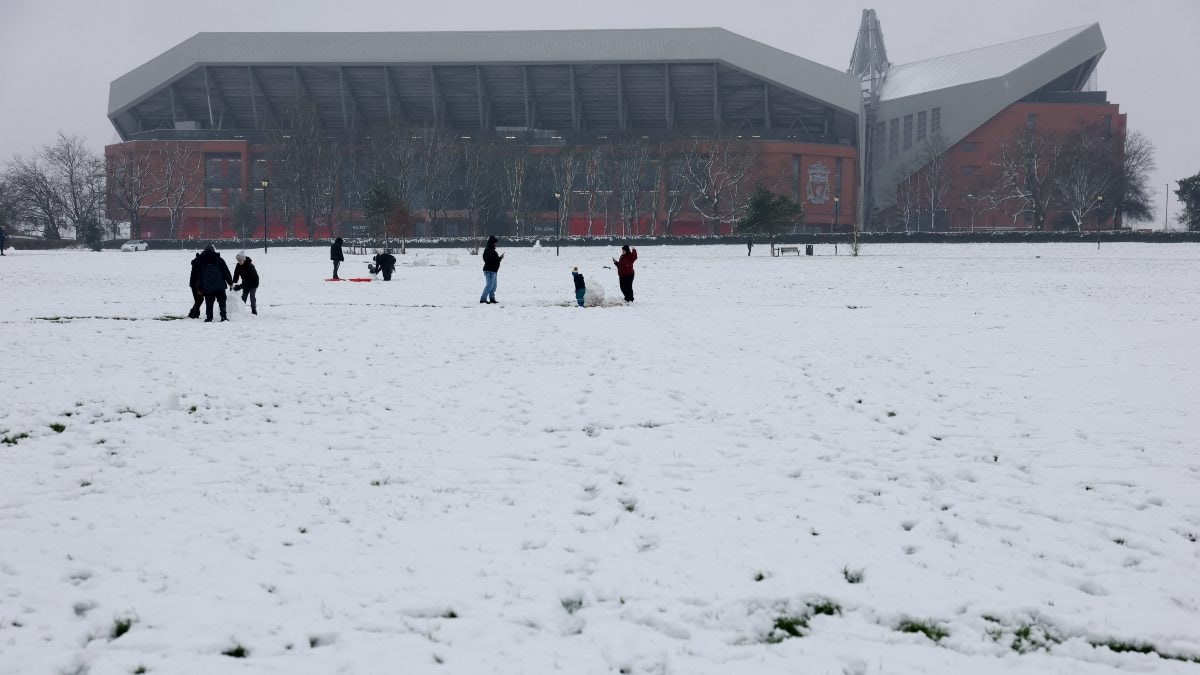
{"x": 625, "y": 248}
{"x": 574, "y": 269}
{"x": 492, "y": 240}
{"x": 209, "y": 248}
{"x": 241, "y": 256}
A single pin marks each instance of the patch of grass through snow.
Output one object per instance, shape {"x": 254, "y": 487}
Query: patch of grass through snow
{"x": 121, "y": 626}
{"x": 1137, "y": 647}
{"x": 789, "y": 625}
{"x": 853, "y": 576}
{"x": 12, "y": 440}
{"x": 237, "y": 651}
{"x": 927, "y": 628}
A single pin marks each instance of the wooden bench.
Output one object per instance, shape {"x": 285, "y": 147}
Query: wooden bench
{"x": 788, "y": 249}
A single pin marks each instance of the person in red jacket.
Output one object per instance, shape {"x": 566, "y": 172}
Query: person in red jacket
{"x": 625, "y": 271}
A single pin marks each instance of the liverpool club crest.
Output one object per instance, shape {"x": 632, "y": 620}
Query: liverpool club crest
{"x": 818, "y": 183}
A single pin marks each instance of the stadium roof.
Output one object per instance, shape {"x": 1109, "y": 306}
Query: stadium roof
{"x": 985, "y": 63}
{"x": 965, "y": 90}
{"x": 595, "y": 79}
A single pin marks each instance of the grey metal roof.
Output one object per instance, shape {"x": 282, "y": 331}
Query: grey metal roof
{"x": 508, "y": 47}
{"x": 970, "y": 88}
{"x": 970, "y": 66}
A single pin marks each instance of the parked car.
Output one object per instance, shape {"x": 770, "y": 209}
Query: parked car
{"x": 135, "y": 245}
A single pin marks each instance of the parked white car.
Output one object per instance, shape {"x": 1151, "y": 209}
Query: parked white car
{"x": 135, "y": 245}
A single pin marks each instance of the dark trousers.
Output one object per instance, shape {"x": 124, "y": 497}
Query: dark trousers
{"x": 219, "y": 296}
{"x": 336, "y": 265}
{"x": 197, "y": 298}
{"x": 387, "y": 273}
{"x": 626, "y": 286}
{"x": 253, "y": 300}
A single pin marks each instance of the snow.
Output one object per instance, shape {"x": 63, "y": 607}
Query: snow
{"x": 996, "y": 441}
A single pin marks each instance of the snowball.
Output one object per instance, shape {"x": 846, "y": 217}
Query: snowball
{"x": 594, "y": 295}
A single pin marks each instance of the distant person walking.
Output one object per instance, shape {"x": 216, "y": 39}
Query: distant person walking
{"x": 491, "y": 266}
{"x": 580, "y": 287}
{"x": 214, "y": 278}
{"x": 384, "y": 262}
{"x": 3, "y": 240}
{"x": 625, "y": 271}
{"x": 245, "y": 271}
{"x": 335, "y": 254}
{"x": 749, "y": 245}
{"x": 197, "y": 288}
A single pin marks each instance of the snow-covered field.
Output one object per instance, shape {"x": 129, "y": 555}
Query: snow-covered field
{"x": 929, "y": 459}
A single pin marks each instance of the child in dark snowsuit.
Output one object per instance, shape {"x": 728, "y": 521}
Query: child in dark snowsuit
{"x": 245, "y": 271}
{"x": 196, "y": 285}
{"x": 384, "y": 262}
{"x": 580, "y": 288}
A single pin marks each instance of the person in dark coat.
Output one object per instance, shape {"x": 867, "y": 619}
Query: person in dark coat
{"x": 749, "y": 245}
{"x": 625, "y": 271}
{"x": 384, "y": 262}
{"x": 335, "y": 254}
{"x": 491, "y": 267}
{"x": 197, "y": 288}
{"x": 3, "y": 240}
{"x": 245, "y": 271}
{"x": 214, "y": 278}
{"x": 580, "y": 287}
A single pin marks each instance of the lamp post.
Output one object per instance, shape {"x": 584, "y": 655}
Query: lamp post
{"x": 558, "y": 217}
{"x": 265, "y": 184}
{"x": 971, "y": 196}
{"x": 837, "y": 205}
{"x": 1099, "y": 205}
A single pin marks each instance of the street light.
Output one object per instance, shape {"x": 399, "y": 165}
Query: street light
{"x": 971, "y": 196}
{"x": 558, "y": 217}
{"x": 837, "y": 205}
{"x": 1099, "y": 205}
{"x": 265, "y": 184}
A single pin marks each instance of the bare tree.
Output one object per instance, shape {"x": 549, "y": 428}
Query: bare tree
{"x": 1130, "y": 196}
{"x": 1087, "y": 169}
{"x": 565, "y": 167}
{"x": 130, "y": 188}
{"x": 676, "y": 195}
{"x": 933, "y": 178}
{"x": 630, "y": 160}
{"x": 481, "y": 195}
{"x": 78, "y": 176}
{"x": 35, "y": 195}
{"x": 1024, "y": 174}
{"x": 596, "y": 185}
{"x": 437, "y": 150}
{"x": 719, "y": 174}
{"x": 175, "y": 180}
{"x": 305, "y": 162}
{"x": 514, "y": 166}
{"x": 907, "y": 196}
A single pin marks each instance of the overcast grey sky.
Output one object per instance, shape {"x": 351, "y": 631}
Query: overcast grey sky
{"x": 57, "y": 57}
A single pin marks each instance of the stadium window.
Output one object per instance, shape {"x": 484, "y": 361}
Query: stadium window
{"x": 894, "y": 138}
{"x": 796, "y": 178}
{"x": 908, "y": 131}
{"x": 935, "y": 121}
{"x": 214, "y": 198}
{"x": 921, "y": 126}
{"x": 970, "y": 146}
{"x": 1031, "y": 121}
{"x": 1106, "y": 124}
{"x": 971, "y": 170}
